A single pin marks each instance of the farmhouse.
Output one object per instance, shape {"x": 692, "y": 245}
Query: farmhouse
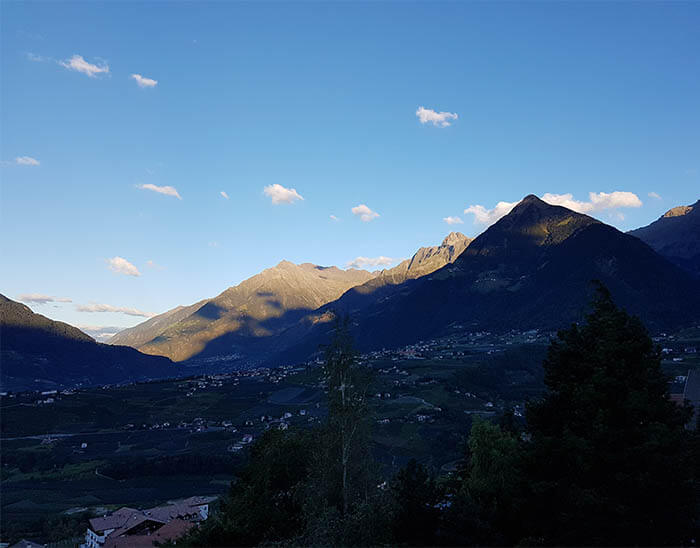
{"x": 131, "y": 527}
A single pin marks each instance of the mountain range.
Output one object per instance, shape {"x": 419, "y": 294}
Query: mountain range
{"x": 530, "y": 270}
{"x": 676, "y": 236}
{"x": 242, "y": 320}
{"x": 39, "y": 353}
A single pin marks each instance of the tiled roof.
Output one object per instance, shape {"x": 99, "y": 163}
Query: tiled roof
{"x": 170, "y": 531}
{"x": 115, "y": 520}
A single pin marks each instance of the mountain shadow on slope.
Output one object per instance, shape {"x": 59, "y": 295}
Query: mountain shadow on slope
{"x": 245, "y": 321}
{"x": 531, "y": 269}
{"x": 39, "y": 353}
{"x": 676, "y": 236}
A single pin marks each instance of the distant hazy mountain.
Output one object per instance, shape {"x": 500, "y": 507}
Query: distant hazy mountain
{"x": 147, "y": 331}
{"x": 244, "y": 315}
{"x": 37, "y": 352}
{"x": 676, "y": 236}
{"x": 531, "y": 269}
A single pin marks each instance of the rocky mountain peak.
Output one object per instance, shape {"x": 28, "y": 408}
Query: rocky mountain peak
{"x": 678, "y": 211}
{"x": 454, "y": 238}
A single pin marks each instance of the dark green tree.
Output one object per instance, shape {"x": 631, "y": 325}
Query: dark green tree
{"x": 610, "y": 462}
{"x": 485, "y": 506}
{"x": 348, "y": 424}
{"x": 344, "y": 505}
{"x": 415, "y": 497}
{"x": 266, "y": 504}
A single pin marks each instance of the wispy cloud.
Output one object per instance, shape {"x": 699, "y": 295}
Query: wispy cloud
{"x": 167, "y": 190}
{"x": 36, "y": 58}
{"x": 213, "y": 244}
{"x": 334, "y": 218}
{"x": 38, "y": 298}
{"x": 597, "y": 201}
{"x": 654, "y": 195}
{"x": 109, "y": 308}
{"x": 281, "y": 195}
{"x": 453, "y": 220}
{"x": 26, "y": 161}
{"x": 144, "y": 82}
{"x": 364, "y": 213}
{"x": 154, "y": 265}
{"x": 79, "y": 64}
{"x": 364, "y": 262}
{"x": 439, "y": 119}
{"x": 224, "y": 194}
{"x": 121, "y": 266}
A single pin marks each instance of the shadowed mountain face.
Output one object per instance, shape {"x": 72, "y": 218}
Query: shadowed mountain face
{"x": 41, "y": 353}
{"x": 257, "y": 308}
{"x": 425, "y": 261}
{"x": 532, "y": 269}
{"x": 246, "y": 319}
{"x": 676, "y": 236}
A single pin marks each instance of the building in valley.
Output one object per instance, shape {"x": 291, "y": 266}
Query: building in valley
{"x": 128, "y": 527}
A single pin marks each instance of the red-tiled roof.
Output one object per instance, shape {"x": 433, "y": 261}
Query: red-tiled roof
{"x": 170, "y": 531}
{"x": 114, "y": 520}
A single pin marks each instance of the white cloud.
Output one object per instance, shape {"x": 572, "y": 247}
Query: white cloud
{"x": 224, "y": 194}
{"x": 167, "y": 190}
{"x": 100, "y": 333}
{"x": 38, "y": 298}
{"x": 213, "y": 244}
{"x": 483, "y": 216}
{"x": 121, "y": 266}
{"x": 79, "y": 64}
{"x": 154, "y": 265}
{"x": 654, "y": 195}
{"x": 453, "y": 220}
{"x": 365, "y": 213}
{"x": 110, "y": 308}
{"x": 334, "y": 218}
{"x": 26, "y": 161}
{"x": 439, "y": 119}
{"x": 597, "y": 202}
{"x": 144, "y": 82}
{"x": 364, "y": 262}
{"x": 281, "y": 195}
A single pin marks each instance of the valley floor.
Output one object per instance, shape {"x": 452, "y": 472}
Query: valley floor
{"x": 75, "y": 452}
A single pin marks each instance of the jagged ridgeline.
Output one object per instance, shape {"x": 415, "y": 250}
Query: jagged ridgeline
{"x": 676, "y": 236}
{"x": 531, "y": 269}
{"x": 246, "y": 319}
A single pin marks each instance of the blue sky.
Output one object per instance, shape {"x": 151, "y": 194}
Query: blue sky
{"x": 323, "y": 98}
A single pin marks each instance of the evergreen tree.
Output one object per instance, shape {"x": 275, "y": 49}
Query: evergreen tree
{"x": 344, "y": 505}
{"x": 348, "y": 425}
{"x": 610, "y": 461}
{"x": 266, "y": 504}
{"x": 415, "y": 498}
